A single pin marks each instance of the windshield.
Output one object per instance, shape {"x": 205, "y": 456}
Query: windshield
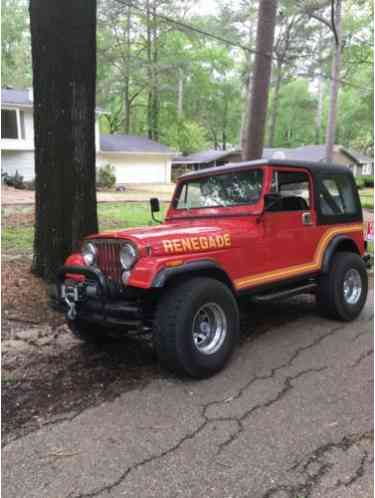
{"x": 231, "y": 189}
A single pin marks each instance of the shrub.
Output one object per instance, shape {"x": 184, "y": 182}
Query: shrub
{"x": 359, "y": 182}
{"x": 15, "y": 180}
{"x": 106, "y": 176}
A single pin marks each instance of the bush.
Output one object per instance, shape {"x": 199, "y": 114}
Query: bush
{"x": 359, "y": 182}
{"x": 106, "y": 177}
{"x": 368, "y": 181}
{"x": 15, "y": 180}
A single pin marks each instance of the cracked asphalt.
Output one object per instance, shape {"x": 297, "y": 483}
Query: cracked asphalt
{"x": 290, "y": 417}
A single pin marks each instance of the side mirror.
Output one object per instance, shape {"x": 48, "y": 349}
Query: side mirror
{"x": 272, "y": 202}
{"x": 155, "y": 208}
{"x": 155, "y": 205}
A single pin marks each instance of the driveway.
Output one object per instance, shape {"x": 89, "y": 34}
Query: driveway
{"x": 134, "y": 193}
{"x": 290, "y": 417}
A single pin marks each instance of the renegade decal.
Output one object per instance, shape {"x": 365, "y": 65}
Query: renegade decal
{"x": 195, "y": 244}
{"x": 292, "y": 271}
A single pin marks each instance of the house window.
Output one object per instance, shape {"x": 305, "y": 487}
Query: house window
{"x": 9, "y": 128}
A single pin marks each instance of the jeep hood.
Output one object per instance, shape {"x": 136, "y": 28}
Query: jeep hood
{"x": 157, "y": 236}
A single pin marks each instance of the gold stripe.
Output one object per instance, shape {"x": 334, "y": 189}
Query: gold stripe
{"x": 248, "y": 281}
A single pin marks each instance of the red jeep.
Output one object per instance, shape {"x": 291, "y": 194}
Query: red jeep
{"x": 267, "y": 229}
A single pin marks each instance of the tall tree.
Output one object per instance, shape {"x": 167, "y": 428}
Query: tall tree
{"x": 63, "y": 36}
{"x": 253, "y": 147}
{"x": 335, "y": 84}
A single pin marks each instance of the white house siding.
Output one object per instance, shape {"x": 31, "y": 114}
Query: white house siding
{"x": 134, "y": 168}
{"x": 29, "y": 124}
{"x": 21, "y": 161}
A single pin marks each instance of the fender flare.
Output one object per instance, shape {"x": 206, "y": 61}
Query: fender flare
{"x": 331, "y": 249}
{"x": 166, "y": 274}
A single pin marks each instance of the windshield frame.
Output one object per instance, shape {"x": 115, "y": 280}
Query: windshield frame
{"x": 193, "y": 179}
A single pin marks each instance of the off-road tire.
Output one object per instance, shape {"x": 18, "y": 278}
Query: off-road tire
{"x": 330, "y": 296}
{"x": 173, "y": 335}
{"x": 88, "y": 332}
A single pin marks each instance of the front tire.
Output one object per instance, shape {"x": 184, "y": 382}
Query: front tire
{"x": 196, "y": 327}
{"x": 342, "y": 292}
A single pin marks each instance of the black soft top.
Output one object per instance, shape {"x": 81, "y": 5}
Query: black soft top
{"x": 314, "y": 168}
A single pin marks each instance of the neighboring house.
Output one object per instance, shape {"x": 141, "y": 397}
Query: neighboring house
{"x": 135, "y": 159}
{"x": 357, "y": 162}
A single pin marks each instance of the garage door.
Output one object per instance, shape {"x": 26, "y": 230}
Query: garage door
{"x": 140, "y": 173}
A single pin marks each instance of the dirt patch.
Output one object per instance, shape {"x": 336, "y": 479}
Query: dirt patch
{"x": 25, "y": 298}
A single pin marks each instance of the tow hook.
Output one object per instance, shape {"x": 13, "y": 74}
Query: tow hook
{"x": 71, "y": 314}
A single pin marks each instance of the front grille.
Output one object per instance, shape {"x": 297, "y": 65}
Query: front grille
{"x": 108, "y": 258}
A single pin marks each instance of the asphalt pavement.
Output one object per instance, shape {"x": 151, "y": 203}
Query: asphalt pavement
{"x": 290, "y": 417}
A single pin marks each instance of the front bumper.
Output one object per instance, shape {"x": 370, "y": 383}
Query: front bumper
{"x": 96, "y": 299}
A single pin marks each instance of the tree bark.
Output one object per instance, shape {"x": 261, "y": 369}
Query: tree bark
{"x": 126, "y": 77}
{"x": 180, "y": 95}
{"x": 335, "y": 73}
{"x": 262, "y": 74}
{"x": 63, "y": 36}
{"x": 275, "y": 103}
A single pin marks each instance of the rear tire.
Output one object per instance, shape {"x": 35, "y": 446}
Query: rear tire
{"x": 196, "y": 327}
{"x": 342, "y": 292}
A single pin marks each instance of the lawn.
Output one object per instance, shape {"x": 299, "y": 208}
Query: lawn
{"x": 367, "y": 198}
{"x": 18, "y": 231}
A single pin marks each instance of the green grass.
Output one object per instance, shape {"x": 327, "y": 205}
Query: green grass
{"x": 18, "y": 239}
{"x": 367, "y": 198}
{"x": 126, "y": 215}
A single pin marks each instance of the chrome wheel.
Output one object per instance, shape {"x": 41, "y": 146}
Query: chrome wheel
{"x": 209, "y": 328}
{"x": 352, "y": 286}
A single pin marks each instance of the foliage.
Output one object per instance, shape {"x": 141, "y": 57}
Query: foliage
{"x": 15, "y": 44}
{"x": 15, "y": 180}
{"x": 359, "y": 181}
{"x": 186, "y": 137}
{"x": 296, "y": 113}
{"x": 176, "y": 75}
{"x": 106, "y": 177}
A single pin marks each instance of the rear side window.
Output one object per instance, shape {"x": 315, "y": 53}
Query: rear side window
{"x": 338, "y": 199}
{"x": 337, "y": 196}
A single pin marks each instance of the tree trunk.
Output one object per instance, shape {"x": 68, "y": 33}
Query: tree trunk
{"x": 319, "y": 111}
{"x": 155, "y": 78}
{"x": 63, "y": 36}
{"x": 149, "y": 71}
{"x": 180, "y": 95}
{"x": 275, "y": 103}
{"x": 262, "y": 73}
{"x": 126, "y": 78}
{"x": 335, "y": 73}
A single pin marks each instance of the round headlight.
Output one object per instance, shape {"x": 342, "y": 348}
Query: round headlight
{"x": 128, "y": 256}
{"x": 89, "y": 253}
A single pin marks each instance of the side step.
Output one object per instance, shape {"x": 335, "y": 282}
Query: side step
{"x": 303, "y": 289}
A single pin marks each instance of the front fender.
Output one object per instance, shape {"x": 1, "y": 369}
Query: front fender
{"x": 165, "y": 274}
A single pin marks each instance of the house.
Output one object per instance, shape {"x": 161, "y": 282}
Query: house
{"x": 135, "y": 159}
{"x": 357, "y": 162}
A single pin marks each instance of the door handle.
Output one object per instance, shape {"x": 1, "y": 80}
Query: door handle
{"x": 307, "y": 218}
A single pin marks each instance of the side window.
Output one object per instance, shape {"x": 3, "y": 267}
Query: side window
{"x": 337, "y": 196}
{"x": 293, "y": 189}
